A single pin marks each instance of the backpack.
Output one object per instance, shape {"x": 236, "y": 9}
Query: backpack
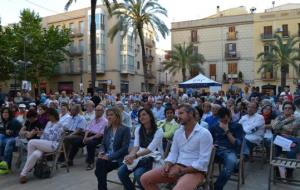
{"x": 3, "y": 168}
{"x": 42, "y": 169}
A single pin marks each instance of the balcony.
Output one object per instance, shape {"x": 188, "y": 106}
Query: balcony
{"x": 74, "y": 51}
{"x": 299, "y": 33}
{"x": 76, "y": 34}
{"x": 267, "y": 37}
{"x": 100, "y": 68}
{"x": 127, "y": 69}
{"x": 149, "y": 58}
{"x": 149, "y": 42}
{"x": 231, "y": 36}
{"x": 268, "y": 76}
{"x": 232, "y": 56}
{"x": 150, "y": 75}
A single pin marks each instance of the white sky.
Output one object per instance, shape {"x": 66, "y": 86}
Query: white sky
{"x": 178, "y": 10}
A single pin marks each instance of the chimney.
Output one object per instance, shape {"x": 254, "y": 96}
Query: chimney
{"x": 218, "y": 9}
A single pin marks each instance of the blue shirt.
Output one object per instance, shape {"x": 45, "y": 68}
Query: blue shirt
{"x": 76, "y": 122}
{"x": 212, "y": 120}
{"x": 221, "y": 139}
{"x": 159, "y": 114}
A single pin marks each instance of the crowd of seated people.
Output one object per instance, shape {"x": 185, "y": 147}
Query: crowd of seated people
{"x": 129, "y": 133}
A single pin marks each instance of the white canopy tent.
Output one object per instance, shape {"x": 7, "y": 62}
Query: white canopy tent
{"x": 200, "y": 81}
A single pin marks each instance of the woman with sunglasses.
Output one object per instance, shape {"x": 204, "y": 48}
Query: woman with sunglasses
{"x": 288, "y": 127}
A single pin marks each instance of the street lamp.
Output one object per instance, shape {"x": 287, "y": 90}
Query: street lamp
{"x": 24, "y": 63}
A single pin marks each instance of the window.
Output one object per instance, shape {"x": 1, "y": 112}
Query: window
{"x": 102, "y": 21}
{"x": 97, "y": 42}
{"x": 195, "y": 50}
{"x": 72, "y": 27}
{"x": 267, "y": 49}
{"x": 138, "y": 65}
{"x": 81, "y": 45}
{"x": 81, "y": 64}
{"x": 194, "y": 36}
{"x": 285, "y": 30}
{"x": 102, "y": 42}
{"x": 232, "y": 68}
{"x": 124, "y": 86}
{"x": 97, "y": 19}
{"x": 298, "y": 29}
{"x": 71, "y": 62}
{"x": 268, "y": 30}
{"x": 230, "y": 50}
{"x": 213, "y": 71}
{"x": 81, "y": 27}
{"x": 231, "y": 29}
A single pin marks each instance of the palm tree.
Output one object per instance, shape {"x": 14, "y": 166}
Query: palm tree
{"x": 184, "y": 58}
{"x": 93, "y": 35}
{"x": 282, "y": 54}
{"x": 134, "y": 16}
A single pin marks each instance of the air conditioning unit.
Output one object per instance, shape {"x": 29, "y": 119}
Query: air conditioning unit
{"x": 278, "y": 30}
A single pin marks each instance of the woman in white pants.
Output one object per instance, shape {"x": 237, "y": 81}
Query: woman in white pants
{"x": 47, "y": 143}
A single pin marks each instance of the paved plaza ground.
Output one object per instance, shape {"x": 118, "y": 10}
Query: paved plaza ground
{"x": 80, "y": 179}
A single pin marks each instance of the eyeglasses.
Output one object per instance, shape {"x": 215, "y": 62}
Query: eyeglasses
{"x": 98, "y": 110}
{"x": 290, "y": 108}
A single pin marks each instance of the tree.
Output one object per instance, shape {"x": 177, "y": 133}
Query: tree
{"x": 282, "y": 54}
{"x": 44, "y": 48}
{"x": 184, "y": 58}
{"x": 6, "y": 51}
{"x": 134, "y": 16}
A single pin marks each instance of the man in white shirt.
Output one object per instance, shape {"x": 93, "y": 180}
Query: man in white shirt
{"x": 89, "y": 114}
{"x": 297, "y": 111}
{"x": 188, "y": 159}
{"x": 253, "y": 126}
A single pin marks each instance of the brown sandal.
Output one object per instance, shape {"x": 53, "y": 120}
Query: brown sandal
{"x": 23, "y": 179}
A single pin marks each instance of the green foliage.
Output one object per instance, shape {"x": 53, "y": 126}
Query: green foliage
{"x": 133, "y": 16}
{"x": 183, "y": 58}
{"x": 284, "y": 52}
{"x": 6, "y": 51}
{"x": 28, "y": 41}
{"x": 240, "y": 76}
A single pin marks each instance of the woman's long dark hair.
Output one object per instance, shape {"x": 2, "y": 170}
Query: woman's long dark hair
{"x": 10, "y": 114}
{"x": 152, "y": 121}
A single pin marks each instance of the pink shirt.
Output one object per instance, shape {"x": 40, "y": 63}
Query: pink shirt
{"x": 97, "y": 126}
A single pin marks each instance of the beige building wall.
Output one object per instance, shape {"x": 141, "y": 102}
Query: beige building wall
{"x": 275, "y": 19}
{"x": 212, "y": 34}
{"x": 119, "y": 63}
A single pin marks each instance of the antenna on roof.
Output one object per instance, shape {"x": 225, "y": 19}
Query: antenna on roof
{"x": 273, "y": 3}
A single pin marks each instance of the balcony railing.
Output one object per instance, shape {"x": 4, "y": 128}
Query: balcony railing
{"x": 232, "y": 55}
{"x": 231, "y": 35}
{"x": 100, "y": 68}
{"x": 74, "y": 51}
{"x": 267, "y": 37}
{"x": 127, "y": 68}
{"x": 268, "y": 76}
{"x": 76, "y": 33}
{"x": 149, "y": 42}
{"x": 149, "y": 58}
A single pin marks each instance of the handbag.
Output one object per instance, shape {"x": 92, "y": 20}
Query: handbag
{"x": 42, "y": 169}
{"x": 146, "y": 162}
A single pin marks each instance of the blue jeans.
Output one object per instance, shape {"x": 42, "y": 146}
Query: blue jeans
{"x": 124, "y": 173}
{"x": 248, "y": 147}
{"x": 7, "y": 145}
{"x": 229, "y": 160}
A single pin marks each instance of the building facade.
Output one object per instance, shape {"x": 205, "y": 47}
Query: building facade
{"x": 119, "y": 62}
{"x": 283, "y": 21}
{"x": 230, "y": 41}
{"x": 226, "y": 43}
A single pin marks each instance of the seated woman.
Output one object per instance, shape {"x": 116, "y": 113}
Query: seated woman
{"x": 287, "y": 126}
{"x": 29, "y": 131}
{"x": 47, "y": 143}
{"x": 115, "y": 144}
{"x": 148, "y": 139}
{"x": 8, "y": 133}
